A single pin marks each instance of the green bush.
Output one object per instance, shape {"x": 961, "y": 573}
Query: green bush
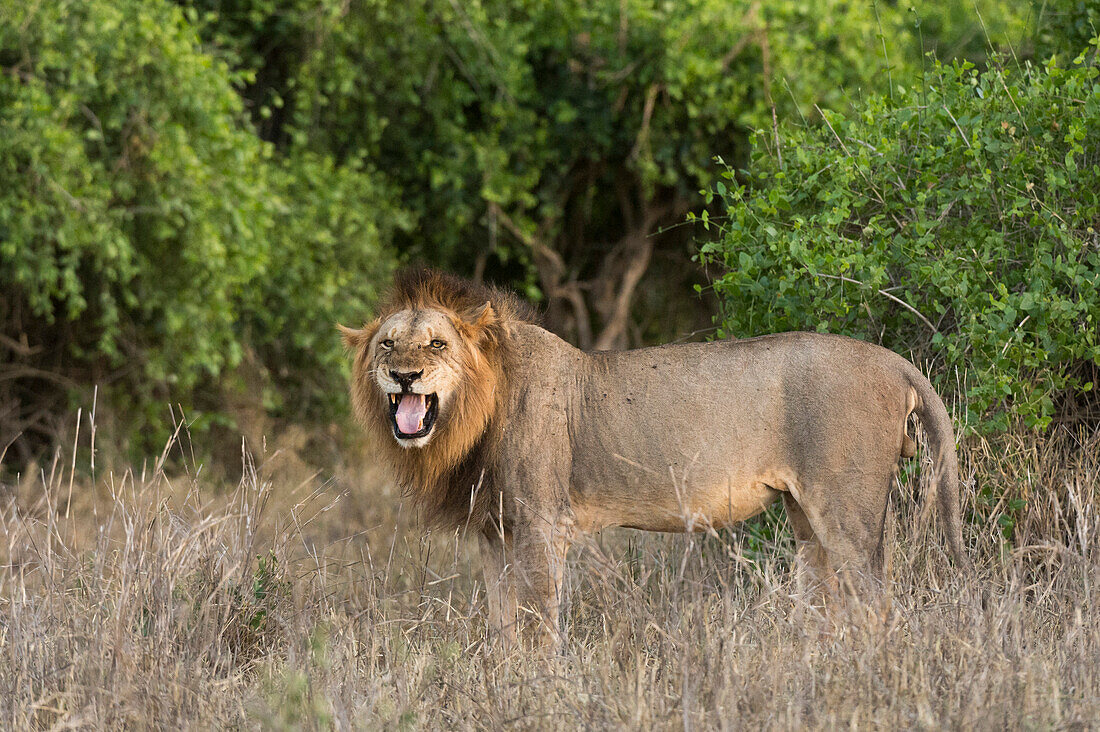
{"x": 956, "y": 219}
{"x": 188, "y": 187}
{"x": 328, "y": 262}
{"x": 132, "y": 196}
{"x": 148, "y": 238}
{"x": 541, "y": 143}
{"x": 1064, "y": 27}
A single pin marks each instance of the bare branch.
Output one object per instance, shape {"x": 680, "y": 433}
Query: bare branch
{"x": 885, "y": 294}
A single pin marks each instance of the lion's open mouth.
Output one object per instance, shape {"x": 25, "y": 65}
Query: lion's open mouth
{"x": 413, "y": 415}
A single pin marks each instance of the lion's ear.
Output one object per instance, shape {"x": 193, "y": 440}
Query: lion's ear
{"x": 479, "y": 324}
{"x": 482, "y": 316}
{"x": 355, "y": 339}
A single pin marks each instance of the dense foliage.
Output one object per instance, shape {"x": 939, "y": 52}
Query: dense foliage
{"x": 148, "y": 239}
{"x": 193, "y": 192}
{"x": 543, "y": 143}
{"x": 956, "y": 218}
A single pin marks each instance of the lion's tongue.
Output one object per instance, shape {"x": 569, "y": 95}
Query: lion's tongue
{"x": 410, "y": 413}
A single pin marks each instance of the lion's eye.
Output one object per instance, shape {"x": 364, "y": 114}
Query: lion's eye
{"x": 386, "y": 343}
{"x": 438, "y": 344}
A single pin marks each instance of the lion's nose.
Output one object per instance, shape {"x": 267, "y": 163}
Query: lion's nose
{"x": 405, "y": 379}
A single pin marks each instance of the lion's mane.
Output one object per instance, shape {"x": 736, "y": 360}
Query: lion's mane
{"x": 446, "y": 478}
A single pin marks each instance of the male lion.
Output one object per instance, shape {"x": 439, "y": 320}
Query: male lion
{"x": 497, "y": 425}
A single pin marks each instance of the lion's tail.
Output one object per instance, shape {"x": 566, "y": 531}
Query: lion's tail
{"x": 945, "y": 461}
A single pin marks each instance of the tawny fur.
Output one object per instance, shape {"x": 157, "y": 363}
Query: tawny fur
{"x": 442, "y": 478}
{"x": 537, "y": 441}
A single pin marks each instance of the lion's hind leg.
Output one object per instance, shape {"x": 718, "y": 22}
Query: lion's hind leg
{"x": 811, "y": 565}
{"x": 846, "y": 520}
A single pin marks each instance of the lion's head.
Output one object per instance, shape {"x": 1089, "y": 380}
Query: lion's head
{"x": 428, "y": 377}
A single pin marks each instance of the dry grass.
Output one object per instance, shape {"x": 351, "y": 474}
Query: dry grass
{"x": 150, "y": 600}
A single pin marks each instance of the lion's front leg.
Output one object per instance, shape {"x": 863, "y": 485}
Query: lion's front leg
{"x": 541, "y": 547}
{"x": 535, "y": 506}
{"x": 500, "y": 585}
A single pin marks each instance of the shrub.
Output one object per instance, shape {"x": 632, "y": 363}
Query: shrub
{"x": 956, "y": 219}
{"x": 148, "y": 238}
{"x": 1064, "y": 27}
{"x": 543, "y": 143}
{"x": 329, "y": 259}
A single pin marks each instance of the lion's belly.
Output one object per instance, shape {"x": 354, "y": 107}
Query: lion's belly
{"x": 709, "y": 501}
